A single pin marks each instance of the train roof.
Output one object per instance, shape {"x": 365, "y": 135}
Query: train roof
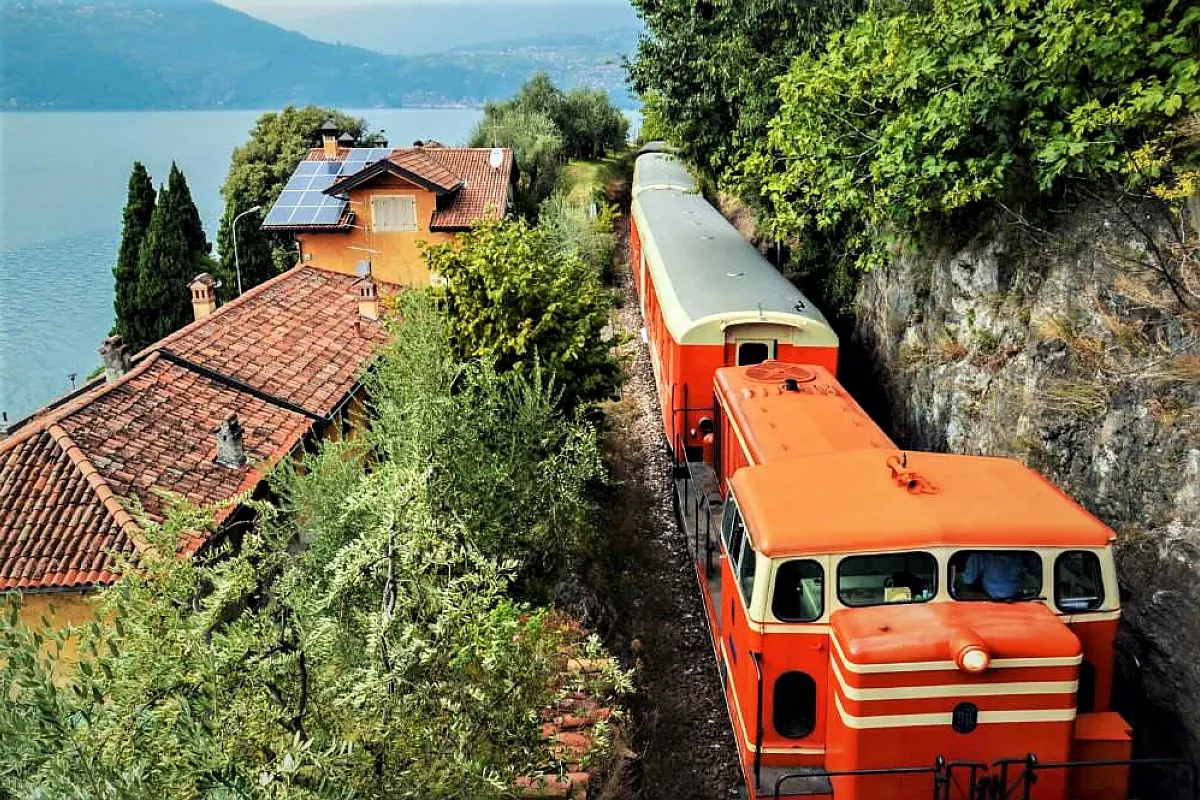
{"x": 862, "y": 501}
{"x": 659, "y": 170}
{"x": 790, "y": 410}
{"x": 708, "y": 276}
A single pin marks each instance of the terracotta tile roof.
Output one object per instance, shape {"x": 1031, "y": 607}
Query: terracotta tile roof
{"x": 281, "y": 357}
{"x": 296, "y": 337}
{"x": 420, "y": 161}
{"x": 484, "y": 195}
{"x": 54, "y": 529}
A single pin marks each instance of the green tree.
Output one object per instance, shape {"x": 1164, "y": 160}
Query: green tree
{"x": 573, "y": 230}
{"x": 139, "y": 209}
{"x": 591, "y": 124}
{"x": 710, "y": 66}
{"x": 258, "y": 171}
{"x": 511, "y": 295}
{"x": 910, "y": 117}
{"x": 360, "y": 641}
{"x": 174, "y": 252}
{"x": 537, "y": 146}
{"x": 540, "y": 95}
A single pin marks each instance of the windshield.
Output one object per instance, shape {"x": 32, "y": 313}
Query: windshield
{"x": 880, "y": 578}
{"x": 995, "y": 575}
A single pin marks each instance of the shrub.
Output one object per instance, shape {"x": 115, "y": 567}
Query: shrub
{"x": 910, "y": 116}
{"x": 512, "y": 296}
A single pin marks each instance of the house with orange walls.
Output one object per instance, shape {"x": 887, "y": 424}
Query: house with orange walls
{"x": 365, "y": 209}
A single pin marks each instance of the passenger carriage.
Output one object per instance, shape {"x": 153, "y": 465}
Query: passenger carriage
{"x": 849, "y": 641}
{"x": 708, "y": 298}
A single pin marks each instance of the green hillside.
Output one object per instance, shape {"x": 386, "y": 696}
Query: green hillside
{"x": 119, "y": 54}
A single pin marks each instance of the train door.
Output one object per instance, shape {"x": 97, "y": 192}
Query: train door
{"x": 753, "y": 343}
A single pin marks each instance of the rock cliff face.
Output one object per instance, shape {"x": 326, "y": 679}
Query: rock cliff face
{"x": 1075, "y": 349}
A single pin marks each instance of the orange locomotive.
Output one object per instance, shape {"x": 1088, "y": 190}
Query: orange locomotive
{"x": 888, "y": 625}
{"x": 879, "y": 610}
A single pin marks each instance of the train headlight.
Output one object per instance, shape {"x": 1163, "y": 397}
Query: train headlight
{"x": 974, "y": 660}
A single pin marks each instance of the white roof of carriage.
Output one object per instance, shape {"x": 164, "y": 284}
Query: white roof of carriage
{"x": 709, "y": 277}
{"x": 661, "y": 171}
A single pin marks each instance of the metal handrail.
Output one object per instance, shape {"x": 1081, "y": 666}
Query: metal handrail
{"x": 946, "y": 781}
{"x": 936, "y": 770}
{"x": 758, "y": 730}
{"x": 1031, "y": 766}
{"x": 703, "y": 498}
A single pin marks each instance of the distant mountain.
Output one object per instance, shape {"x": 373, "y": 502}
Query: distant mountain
{"x": 434, "y": 26}
{"x": 592, "y": 60}
{"x": 131, "y": 54}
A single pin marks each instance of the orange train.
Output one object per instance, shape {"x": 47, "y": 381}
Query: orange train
{"x": 887, "y": 625}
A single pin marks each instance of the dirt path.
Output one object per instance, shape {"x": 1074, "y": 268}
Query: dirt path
{"x": 680, "y": 725}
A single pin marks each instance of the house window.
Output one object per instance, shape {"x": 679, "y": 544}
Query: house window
{"x": 393, "y": 213}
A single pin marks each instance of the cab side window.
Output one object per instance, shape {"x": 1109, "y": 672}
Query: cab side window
{"x": 1078, "y": 581}
{"x": 745, "y": 569}
{"x": 733, "y": 529}
{"x": 799, "y": 594}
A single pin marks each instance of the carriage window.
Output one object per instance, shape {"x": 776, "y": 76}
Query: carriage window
{"x": 745, "y": 571}
{"x": 752, "y": 353}
{"x": 799, "y": 591}
{"x": 995, "y": 575}
{"x": 732, "y": 529}
{"x": 887, "y": 578}
{"x": 1078, "y": 581}
{"x": 795, "y": 705}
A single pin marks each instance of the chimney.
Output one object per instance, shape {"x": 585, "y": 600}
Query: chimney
{"x": 368, "y": 298}
{"x": 116, "y": 360}
{"x": 231, "y": 451}
{"x": 329, "y": 138}
{"x": 346, "y": 140}
{"x": 204, "y": 295}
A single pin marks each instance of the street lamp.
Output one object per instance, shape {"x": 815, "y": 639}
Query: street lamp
{"x": 236, "y": 263}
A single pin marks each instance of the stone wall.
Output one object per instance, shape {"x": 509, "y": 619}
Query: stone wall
{"x": 1065, "y": 345}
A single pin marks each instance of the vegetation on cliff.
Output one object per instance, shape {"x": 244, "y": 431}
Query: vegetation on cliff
{"x": 897, "y": 119}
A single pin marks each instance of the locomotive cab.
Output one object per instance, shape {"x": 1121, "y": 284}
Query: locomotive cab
{"x": 861, "y": 653}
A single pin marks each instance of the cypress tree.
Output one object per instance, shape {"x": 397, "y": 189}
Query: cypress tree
{"x": 174, "y": 252}
{"x": 139, "y": 208}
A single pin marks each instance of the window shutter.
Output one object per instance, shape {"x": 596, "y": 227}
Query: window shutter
{"x": 394, "y": 213}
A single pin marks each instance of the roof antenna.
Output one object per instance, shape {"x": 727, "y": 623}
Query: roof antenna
{"x": 760, "y": 312}
{"x": 904, "y": 459}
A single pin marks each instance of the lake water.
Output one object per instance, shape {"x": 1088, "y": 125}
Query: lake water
{"x": 63, "y": 178}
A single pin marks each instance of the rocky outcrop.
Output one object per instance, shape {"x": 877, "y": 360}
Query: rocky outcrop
{"x": 1073, "y": 347}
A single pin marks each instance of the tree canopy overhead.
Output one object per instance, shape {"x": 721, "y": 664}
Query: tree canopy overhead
{"x": 710, "y": 67}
